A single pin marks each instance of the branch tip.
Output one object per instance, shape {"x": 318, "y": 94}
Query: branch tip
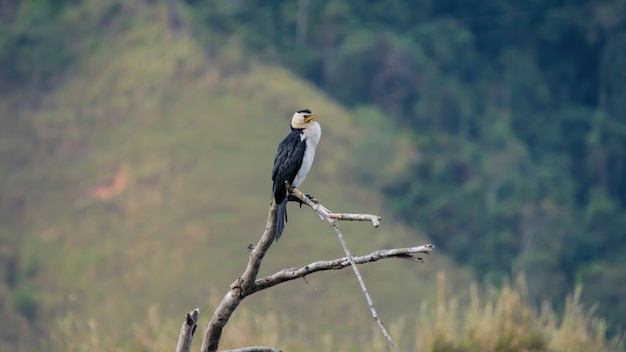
{"x": 192, "y": 317}
{"x": 187, "y": 330}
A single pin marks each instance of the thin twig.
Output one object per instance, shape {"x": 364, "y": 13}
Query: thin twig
{"x": 324, "y": 213}
{"x": 375, "y": 219}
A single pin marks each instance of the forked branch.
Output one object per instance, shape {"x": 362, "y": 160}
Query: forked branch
{"x": 296, "y": 195}
{"x": 248, "y": 284}
{"x": 324, "y": 213}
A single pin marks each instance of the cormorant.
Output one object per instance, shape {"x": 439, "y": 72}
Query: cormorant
{"x": 293, "y": 160}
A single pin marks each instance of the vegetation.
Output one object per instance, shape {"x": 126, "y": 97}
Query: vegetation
{"x": 126, "y": 185}
{"x": 502, "y": 319}
{"x": 494, "y": 128}
{"x": 514, "y": 110}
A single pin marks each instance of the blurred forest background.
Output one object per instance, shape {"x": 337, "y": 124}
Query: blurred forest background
{"x": 495, "y": 130}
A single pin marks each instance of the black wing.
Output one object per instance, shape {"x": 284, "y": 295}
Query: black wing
{"x": 287, "y": 163}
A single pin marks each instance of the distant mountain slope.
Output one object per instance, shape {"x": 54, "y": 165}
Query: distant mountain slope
{"x": 149, "y": 174}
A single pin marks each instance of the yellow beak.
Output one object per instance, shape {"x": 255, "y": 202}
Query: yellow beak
{"x": 309, "y": 118}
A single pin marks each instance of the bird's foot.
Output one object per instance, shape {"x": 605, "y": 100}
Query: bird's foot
{"x": 313, "y": 199}
{"x": 292, "y": 198}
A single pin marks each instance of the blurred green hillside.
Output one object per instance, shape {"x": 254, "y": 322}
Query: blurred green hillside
{"x": 136, "y": 143}
{"x": 136, "y": 178}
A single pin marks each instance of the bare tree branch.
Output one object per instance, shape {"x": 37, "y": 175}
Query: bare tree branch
{"x": 187, "y": 331}
{"x": 324, "y": 213}
{"x": 241, "y": 287}
{"x": 338, "y": 264}
{"x": 296, "y": 197}
{"x": 248, "y": 284}
{"x": 375, "y": 219}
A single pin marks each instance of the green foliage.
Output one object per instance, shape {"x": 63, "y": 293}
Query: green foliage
{"x": 26, "y": 302}
{"x": 33, "y": 43}
{"x": 515, "y": 112}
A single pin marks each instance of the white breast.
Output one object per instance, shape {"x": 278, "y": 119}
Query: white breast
{"x": 311, "y": 135}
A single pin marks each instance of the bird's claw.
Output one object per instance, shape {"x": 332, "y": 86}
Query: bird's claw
{"x": 311, "y": 198}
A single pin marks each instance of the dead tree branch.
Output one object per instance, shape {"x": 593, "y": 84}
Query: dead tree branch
{"x": 187, "y": 331}
{"x": 375, "y": 219}
{"x": 297, "y": 196}
{"x": 340, "y": 263}
{"x": 248, "y": 284}
{"x": 324, "y": 213}
{"x": 241, "y": 287}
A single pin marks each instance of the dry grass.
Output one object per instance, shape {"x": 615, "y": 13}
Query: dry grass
{"x": 495, "y": 321}
{"x": 503, "y": 320}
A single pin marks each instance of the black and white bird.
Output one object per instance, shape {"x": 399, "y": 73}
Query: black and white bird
{"x": 293, "y": 160}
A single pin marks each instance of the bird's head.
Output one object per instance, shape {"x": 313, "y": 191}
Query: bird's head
{"x": 301, "y": 118}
